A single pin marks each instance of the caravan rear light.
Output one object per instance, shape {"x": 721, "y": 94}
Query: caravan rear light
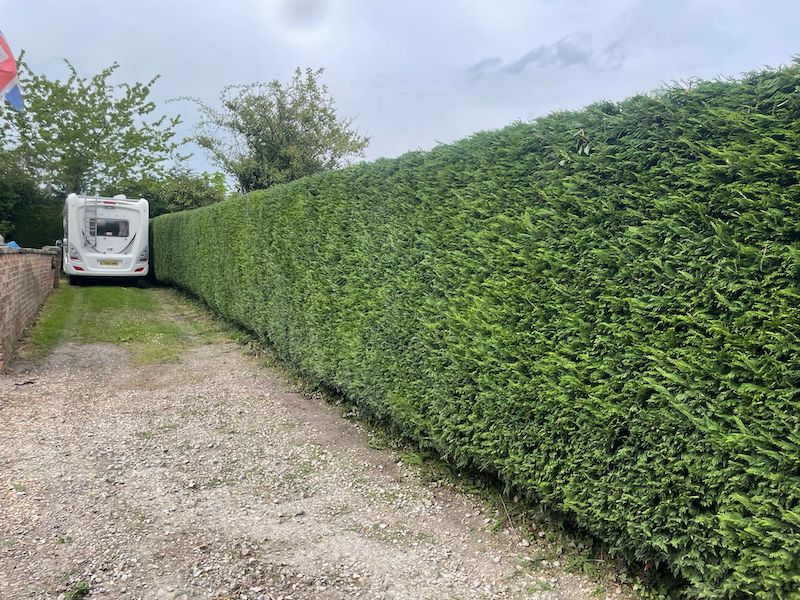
{"x": 77, "y": 268}
{"x": 145, "y": 255}
{"x": 138, "y": 269}
{"x": 73, "y": 253}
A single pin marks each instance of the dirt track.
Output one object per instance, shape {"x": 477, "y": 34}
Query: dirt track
{"x": 211, "y": 478}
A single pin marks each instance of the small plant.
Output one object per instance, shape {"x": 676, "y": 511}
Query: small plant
{"x": 599, "y": 591}
{"x": 531, "y": 563}
{"x": 539, "y": 586}
{"x": 412, "y": 457}
{"x": 78, "y": 591}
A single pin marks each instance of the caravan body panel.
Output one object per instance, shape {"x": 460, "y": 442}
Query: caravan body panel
{"x": 105, "y": 237}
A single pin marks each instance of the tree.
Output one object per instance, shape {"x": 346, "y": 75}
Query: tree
{"x": 177, "y": 190}
{"x": 268, "y": 133}
{"x": 17, "y": 189}
{"x": 84, "y": 133}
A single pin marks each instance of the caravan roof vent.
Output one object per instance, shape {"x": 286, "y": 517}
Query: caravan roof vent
{"x": 120, "y": 197}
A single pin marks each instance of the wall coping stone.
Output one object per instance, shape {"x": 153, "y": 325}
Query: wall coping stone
{"x": 45, "y": 250}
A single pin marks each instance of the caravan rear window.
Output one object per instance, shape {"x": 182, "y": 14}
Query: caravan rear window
{"x": 112, "y": 227}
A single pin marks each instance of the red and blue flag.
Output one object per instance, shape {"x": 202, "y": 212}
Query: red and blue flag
{"x": 9, "y": 84}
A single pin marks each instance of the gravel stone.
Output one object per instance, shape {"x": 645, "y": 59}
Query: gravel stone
{"x": 210, "y": 478}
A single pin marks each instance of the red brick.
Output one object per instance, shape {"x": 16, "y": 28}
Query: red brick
{"x": 26, "y": 278}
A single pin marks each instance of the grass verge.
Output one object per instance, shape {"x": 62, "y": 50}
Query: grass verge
{"x": 150, "y": 323}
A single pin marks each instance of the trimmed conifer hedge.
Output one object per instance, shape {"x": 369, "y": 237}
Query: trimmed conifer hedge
{"x": 600, "y": 307}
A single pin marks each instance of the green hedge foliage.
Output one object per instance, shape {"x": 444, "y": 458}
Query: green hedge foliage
{"x": 39, "y": 223}
{"x": 600, "y": 307}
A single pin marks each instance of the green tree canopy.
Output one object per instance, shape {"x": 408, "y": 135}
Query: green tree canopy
{"x": 268, "y": 133}
{"x": 175, "y": 191}
{"x": 16, "y": 189}
{"x": 82, "y": 134}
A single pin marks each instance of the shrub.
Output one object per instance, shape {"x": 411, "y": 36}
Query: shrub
{"x": 600, "y": 307}
{"x": 17, "y": 192}
{"x": 39, "y": 223}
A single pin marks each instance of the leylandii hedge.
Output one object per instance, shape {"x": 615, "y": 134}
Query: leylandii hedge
{"x": 601, "y": 307}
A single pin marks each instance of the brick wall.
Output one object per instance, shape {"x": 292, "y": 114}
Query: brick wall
{"x": 26, "y": 278}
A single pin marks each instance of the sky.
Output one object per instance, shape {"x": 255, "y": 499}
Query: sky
{"x": 411, "y": 73}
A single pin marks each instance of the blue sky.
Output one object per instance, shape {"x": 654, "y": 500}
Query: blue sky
{"x": 411, "y": 73}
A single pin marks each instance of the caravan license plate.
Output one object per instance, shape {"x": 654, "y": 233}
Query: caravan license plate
{"x": 110, "y": 263}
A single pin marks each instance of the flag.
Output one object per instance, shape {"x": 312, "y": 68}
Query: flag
{"x": 9, "y": 84}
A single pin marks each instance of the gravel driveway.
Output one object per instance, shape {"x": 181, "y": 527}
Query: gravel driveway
{"x": 210, "y": 477}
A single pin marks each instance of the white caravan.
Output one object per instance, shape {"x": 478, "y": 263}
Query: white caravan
{"x": 105, "y": 237}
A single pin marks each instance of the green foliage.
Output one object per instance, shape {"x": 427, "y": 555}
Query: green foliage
{"x": 268, "y": 133}
{"x": 600, "y": 307}
{"x": 178, "y": 190}
{"x": 17, "y": 189}
{"x": 85, "y": 133}
{"x": 39, "y": 223}
{"x": 78, "y": 591}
